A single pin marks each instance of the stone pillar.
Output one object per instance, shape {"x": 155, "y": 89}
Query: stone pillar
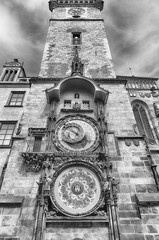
{"x": 3, "y": 74}
{"x": 12, "y": 75}
{"x": 7, "y": 75}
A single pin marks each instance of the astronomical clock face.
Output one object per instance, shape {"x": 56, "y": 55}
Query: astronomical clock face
{"x": 76, "y": 191}
{"x": 76, "y": 12}
{"x": 76, "y": 134}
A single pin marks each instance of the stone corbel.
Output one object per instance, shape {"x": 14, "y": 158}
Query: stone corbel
{"x": 131, "y": 140}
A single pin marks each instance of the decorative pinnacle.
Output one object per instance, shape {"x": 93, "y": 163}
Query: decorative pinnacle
{"x": 77, "y": 66}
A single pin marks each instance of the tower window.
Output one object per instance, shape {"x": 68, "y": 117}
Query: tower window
{"x": 142, "y": 121}
{"x": 76, "y": 38}
{"x": 16, "y": 99}
{"x": 6, "y": 133}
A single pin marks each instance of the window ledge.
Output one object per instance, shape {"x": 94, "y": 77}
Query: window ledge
{"x": 146, "y": 199}
{"x": 5, "y": 146}
{"x": 77, "y": 110}
{"x": 11, "y": 199}
{"x": 16, "y": 137}
{"x": 13, "y": 106}
{"x": 130, "y": 137}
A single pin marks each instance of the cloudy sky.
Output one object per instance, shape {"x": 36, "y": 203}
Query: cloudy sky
{"x": 132, "y": 29}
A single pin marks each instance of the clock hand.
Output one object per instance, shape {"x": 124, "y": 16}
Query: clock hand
{"x": 76, "y": 133}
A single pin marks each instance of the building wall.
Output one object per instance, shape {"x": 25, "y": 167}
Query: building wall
{"x": 131, "y": 165}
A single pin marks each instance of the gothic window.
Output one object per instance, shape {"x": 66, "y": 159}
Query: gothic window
{"x": 76, "y": 38}
{"x": 67, "y": 104}
{"x": 16, "y": 99}
{"x": 85, "y": 105}
{"x": 142, "y": 121}
{"x": 6, "y": 133}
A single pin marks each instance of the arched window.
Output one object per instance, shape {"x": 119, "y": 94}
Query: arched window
{"x": 142, "y": 121}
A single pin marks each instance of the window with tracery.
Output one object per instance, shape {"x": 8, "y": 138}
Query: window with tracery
{"x": 142, "y": 121}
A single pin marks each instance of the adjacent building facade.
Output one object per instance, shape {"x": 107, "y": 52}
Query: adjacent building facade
{"x": 79, "y": 146}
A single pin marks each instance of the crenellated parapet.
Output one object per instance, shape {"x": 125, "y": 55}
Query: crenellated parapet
{"x": 75, "y": 3}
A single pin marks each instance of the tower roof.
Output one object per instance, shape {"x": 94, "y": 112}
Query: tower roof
{"x": 75, "y": 3}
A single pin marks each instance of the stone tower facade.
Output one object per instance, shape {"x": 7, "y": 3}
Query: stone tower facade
{"x": 82, "y": 21}
{"x": 79, "y": 146}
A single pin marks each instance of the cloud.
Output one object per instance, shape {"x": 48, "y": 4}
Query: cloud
{"x": 131, "y": 26}
{"x": 23, "y": 32}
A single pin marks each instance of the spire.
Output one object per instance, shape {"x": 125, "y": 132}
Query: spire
{"x": 77, "y": 66}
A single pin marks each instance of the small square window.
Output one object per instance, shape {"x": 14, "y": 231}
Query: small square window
{"x": 76, "y": 38}
{"x": 16, "y": 99}
{"x": 6, "y": 133}
{"x": 85, "y": 105}
{"x": 67, "y": 104}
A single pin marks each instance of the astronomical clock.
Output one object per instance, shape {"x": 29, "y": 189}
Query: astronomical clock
{"x": 77, "y": 134}
{"x": 77, "y": 189}
{"x": 79, "y": 183}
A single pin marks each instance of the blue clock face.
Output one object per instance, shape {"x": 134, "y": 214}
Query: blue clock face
{"x": 77, "y": 134}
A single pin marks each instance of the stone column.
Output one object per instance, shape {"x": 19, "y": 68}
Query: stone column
{"x": 7, "y": 75}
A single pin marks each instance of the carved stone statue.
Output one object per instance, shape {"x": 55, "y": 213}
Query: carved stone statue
{"x": 156, "y": 109}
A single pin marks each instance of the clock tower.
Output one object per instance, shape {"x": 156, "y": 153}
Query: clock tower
{"x": 76, "y": 23}
{"x": 77, "y": 184}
